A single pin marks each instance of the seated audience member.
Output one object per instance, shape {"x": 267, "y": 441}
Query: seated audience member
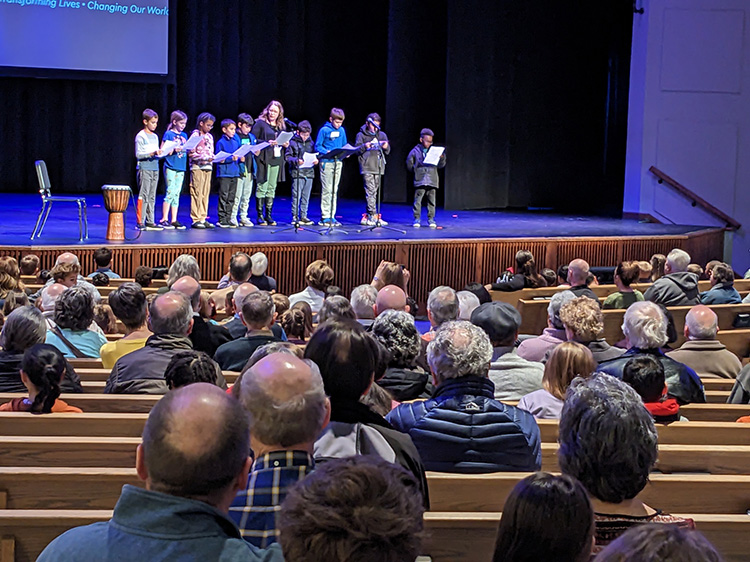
{"x": 193, "y": 459}
{"x": 535, "y": 349}
{"x": 626, "y": 273}
{"x": 347, "y": 357}
{"x": 184, "y": 265}
{"x": 99, "y": 280}
{"x": 396, "y": 331}
{"x": 42, "y": 369}
{"x": 584, "y": 324}
{"x": 142, "y": 371}
{"x": 259, "y": 278}
{"x": 480, "y": 291}
{"x": 512, "y": 376}
{"x": 128, "y": 304}
{"x": 442, "y": 307}
{"x": 297, "y": 323}
{"x": 608, "y": 441}
{"x": 334, "y": 291}
{"x": 14, "y": 300}
{"x": 677, "y": 287}
{"x": 740, "y": 391}
{"x": 235, "y": 326}
{"x": 696, "y": 269}
{"x": 143, "y": 276}
{"x": 644, "y": 269}
{"x": 44, "y": 277}
{"x": 264, "y": 351}
{"x": 467, "y": 303}
{"x": 288, "y": 408}
{"x": 188, "y": 367}
{"x": 462, "y": 428}
{"x": 391, "y": 273}
{"x": 205, "y": 336}
{"x": 562, "y": 276}
{"x": 281, "y": 302}
{"x": 363, "y": 299}
{"x": 578, "y": 273}
{"x": 378, "y": 399}
{"x": 24, "y": 328}
{"x": 658, "y": 265}
{"x": 258, "y": 313}
{"x": 549, "y": 276}
{"x": 239, "y": 271}
{"x": 709, "y": 266}
{"x": 546, "y": 517}
{"x": 390, "y": 297}
{"x": 660, "y": 543}
{"x": 48, "y": 298}
{"x": 70, "y": 260}
{"x": 66, "y": 274}
{"x": 103, "y": 260}
{"x": 319, "y": 276}
{"x": 722, "y": 286}
{"x": 645, "y": 329}
{"x": 207, "y": 308}
{"x": 29, "y": 265}
{"x": 10, "y": 277}
{"x": 567, "y": 361}
{"x": 336, "y": 308}
{"x": 357, "y": 508}
{"x": 525, "y": 275}
{"x": 74, "y": 313}
{"x": 702, "y": 352}
{"x": 105, "y": 319}
{"x": 646, "y": 375}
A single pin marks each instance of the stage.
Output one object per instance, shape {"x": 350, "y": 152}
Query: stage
{"x": 467, "y": 246}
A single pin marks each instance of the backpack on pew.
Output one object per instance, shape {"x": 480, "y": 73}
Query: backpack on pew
{"x": 741, "y": 320}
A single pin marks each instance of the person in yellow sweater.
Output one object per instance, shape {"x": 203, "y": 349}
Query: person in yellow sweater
{"x": 129, "y": 304}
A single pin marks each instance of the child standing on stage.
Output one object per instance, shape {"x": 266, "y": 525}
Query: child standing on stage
{"x": 302, "y": 178}
{"x": 270, "y": 161}
{"x": 426, "y": 178}
{"x": 228, "y": 172}
{"x": 201, "y": 164}
{"x": 175, "y": 165}
{"x": 373, "y": 145}
{"x": 147, "y": 155}
{"x": 247, "y": 171}
{"x": 331, "y": 135}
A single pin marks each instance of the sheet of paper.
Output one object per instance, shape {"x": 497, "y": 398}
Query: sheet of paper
{"x": 243, "y": 150}
{"x": 256, "y": 148}
{"x": 308, "y": 158}
{"x": 221, "y": 156}
{"x": 284, "y": 137}
{"x": 433, "y": 155}
{"x": 168, "y": 147}
{"x": 192, "y": 142}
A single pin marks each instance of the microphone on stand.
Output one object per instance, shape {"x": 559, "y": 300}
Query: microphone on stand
{"x": 373, "y": 123}
{"x": 290, "y": 123}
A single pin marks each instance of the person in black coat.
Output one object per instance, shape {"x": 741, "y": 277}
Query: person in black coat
{"x": 205, "y": 336}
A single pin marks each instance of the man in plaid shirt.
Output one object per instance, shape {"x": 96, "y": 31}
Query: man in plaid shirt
{"x": 288, "y": 408}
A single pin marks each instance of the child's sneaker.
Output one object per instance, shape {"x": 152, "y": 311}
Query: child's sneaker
{"x": 246, "y": 222}
{"x": 166, "y": 225}
{"x": 178, "y": 225}
{"x": 416, "y": 224}
{"x": 433, "y": 224}
{"x": 152, "y": 226}
{"x": 382, "y": 222}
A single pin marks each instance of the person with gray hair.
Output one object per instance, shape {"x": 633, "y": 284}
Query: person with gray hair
{"x": 702, "y": 352}
{"x": 537, "y": 348}
{"x": 645, "y": 329}
{"x": 142, "y": 371}
{"x": 608, "y": 441}
{"x": 403, "y": 379}
{"x": 442, "y": 306}
{"x": 286, "y": 403}
{"x": 363, "y": 299}
{"x": 70, "y": 333}
{"x": 722, "y": 291}
{"x": 258, "y": 275}
{"x": 258, "y": 313}
{"x": 192, "y": 460}
{"x": 336, "y": 307}
{"x": 678, "y": 287}
{"x": 467, "y": 302}
{"x": 185, "y": 264}
{"x": 24, "y": 328}
{"x": 205, "y": 336}
{"x": 462, "y": 428}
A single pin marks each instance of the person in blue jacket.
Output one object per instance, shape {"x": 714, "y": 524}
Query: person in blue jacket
{"x": 228, "y": 172}
{"x": 722, "y": 289}
{"x": 331, "y": 135}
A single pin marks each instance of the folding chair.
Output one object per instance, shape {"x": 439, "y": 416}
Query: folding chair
{"x": 45, "y": 190}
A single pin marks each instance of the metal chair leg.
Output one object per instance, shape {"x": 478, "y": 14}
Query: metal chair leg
{"x": 39, "y": 219}
{"x": 80, "y": 221}
{"x": 46, "y": 216}
{"x": 85, "y": 221}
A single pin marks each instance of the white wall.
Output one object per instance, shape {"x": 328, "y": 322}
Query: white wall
{"x": 689, "y": 114}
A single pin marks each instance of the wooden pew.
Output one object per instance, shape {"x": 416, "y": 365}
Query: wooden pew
{"x": 73, "y": 425}
{"x": 102, "y": 402}
{"x": 101, "y": 375}
{"x": 715, "y": 412}
{"x": 86, "y": 364}
{"x": 470, "y": 537}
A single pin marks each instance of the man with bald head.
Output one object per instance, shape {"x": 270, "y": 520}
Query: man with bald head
{"x": 142, "y": 371}
{"x": 390, "y": 297}
{"x": 49, "y": 296}
{"x": 288, "y": 408}
{"x": 702, "y": 352}
{"x": 205, "y": 336}
{"x": 193, "y": 460}
{"x": 235, "y": 326}
{"x": 578, "y": 272}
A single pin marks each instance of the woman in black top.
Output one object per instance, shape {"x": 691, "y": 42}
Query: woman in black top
{"x": 270, "y": 160}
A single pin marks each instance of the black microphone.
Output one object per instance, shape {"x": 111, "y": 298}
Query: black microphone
{"x": 373, "y": 123}
{"x": 290, "y": 123}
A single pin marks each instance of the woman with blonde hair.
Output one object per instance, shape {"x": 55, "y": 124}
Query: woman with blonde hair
{"x": 10, "y": 277}
{"x": 270, "y": 160}
{"x": 568, "y": 361}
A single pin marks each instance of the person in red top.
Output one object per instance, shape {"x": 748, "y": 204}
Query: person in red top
{"x": 42, "y": 369}
{"x": 646, "y": 375}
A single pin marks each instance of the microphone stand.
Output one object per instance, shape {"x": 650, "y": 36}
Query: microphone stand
{"x": 379, "y": 183}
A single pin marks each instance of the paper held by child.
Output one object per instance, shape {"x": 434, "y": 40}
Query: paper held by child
{"x": 242, "y": 150}
{"x": 433, "y": 155}
{"x": 192, "y": 142}
{"x": 221, "y": 156}
{"x": 256, "y": 148}
{"x": 168, "y": 147}
{"x": 308, "y": 159}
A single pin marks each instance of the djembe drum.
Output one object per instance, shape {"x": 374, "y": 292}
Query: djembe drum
{"x": 116, "y": 202}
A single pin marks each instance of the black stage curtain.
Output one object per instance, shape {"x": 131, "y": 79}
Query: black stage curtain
{"x": 529, "y": 97}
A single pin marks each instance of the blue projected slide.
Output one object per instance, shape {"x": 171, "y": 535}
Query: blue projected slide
{"x": 93, "y": 35}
